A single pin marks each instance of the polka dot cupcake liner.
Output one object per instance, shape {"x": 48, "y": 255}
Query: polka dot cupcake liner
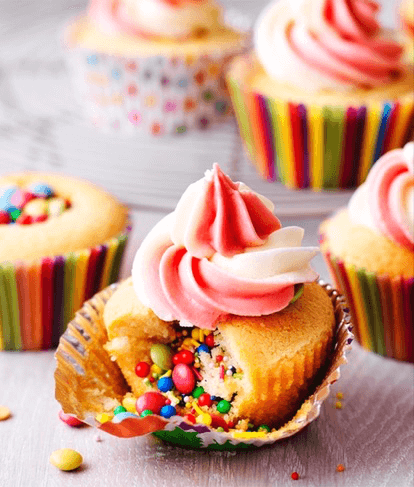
{"x": 381, "y": 307}
{"x": 38, "y": 299}
{"x": 154, "y": 95}
{"x": 317, "y": 147}
{"x": 86, "y": 388}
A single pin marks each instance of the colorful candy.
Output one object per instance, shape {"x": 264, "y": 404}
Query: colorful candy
{"x": 66, "y": 459}
{"x": 5, "y": 413}
{"x": 119, "y": 409}
{"x": 183, "y": 378}
{"x": 162, "y": 355}
{"x": 6, "y": 193}
{"x": 205, "y": 400}
{"x": 4, "y": 217}
{"x": 153, "y": 401}
{"x": 142, "y": 369}
{"x": 165, "y": 384}
{"x": 69, "y": 420}
{"x": 41, "y": 190}
{"x": 167, "y": 411}
{"x": 223, "y": 406}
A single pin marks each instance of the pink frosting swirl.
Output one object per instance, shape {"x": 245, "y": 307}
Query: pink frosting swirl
{"x": 340, "y": 40}
{"x": 154, "y": 18}
{"x": 390, "y": 185}
{"x": 350, "y": 50}
{"x": 222, "y": 251}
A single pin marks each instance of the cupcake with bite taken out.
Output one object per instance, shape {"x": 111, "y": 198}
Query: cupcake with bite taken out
{"x": 323, "y": 94}
{"x": 222, "y": 334}
{"x": 369, "y": 249}
{"x": 152, "y": 66}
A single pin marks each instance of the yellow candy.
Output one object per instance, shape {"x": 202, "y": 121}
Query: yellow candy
{"x": 188, "y": 343}
{"x": 204, "y": 419}
{"x": 197, "y": 334}
{"x": 66, "y": 459}
{"x": 155, "y": 369}
{"x": 36, "y": 207}
{"x": 5, "y": 413}
{"x": 56, "y": 206}
{"x": 103, "y": 417}
{"x": 249, "y": 434}
{"x": 129, "y": 404}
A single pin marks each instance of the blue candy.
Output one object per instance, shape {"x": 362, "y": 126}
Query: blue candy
{"x": 165, "y": 384}
{"x": 121, "y": 416}
{"x": 167, "y": 411}
{"x": 203, "y": 348}
{"x": 6, "y": 193}
{"x": 42, "y": 190}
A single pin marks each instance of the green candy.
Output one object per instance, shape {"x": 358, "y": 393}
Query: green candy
{"x": 146, "y": 412}
{"x": 223, "y": 406}
{"x": 197, "y": 392}
{"x": 264, "y": 427}
{"x": 119, "y": 409}
{"x": 162, "y": 356}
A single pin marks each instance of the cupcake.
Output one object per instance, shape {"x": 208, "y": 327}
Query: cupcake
{"x": 222, "y": 330}
{"x": 369, "y": 250}
{"x": 406, "y": 18}
{"x": 323, "y": 94}
{"x": 62, "y": 240}
{"x": 152, "y": 66}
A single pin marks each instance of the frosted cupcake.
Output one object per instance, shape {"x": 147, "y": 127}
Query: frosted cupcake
{"x": 153, "y": 66}
{"x": 323, "y": 94}
{"x": 62, "y": 240}
{"x": 369, "y": 249}
{"x": 406, "y": 18}
{"x": 221, "y": 335}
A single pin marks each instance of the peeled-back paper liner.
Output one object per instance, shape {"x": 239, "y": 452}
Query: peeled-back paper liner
{"x": 317, "y": 147}
{"x": 153, "y": 95}
{"x": 381, "y": 308}
{"x": 88, "y": 382}
{"x": 39, "y": 298}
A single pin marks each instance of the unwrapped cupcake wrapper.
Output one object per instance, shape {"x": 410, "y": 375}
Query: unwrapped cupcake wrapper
{"x": 318, "y": 147}
{"x": 381, "y": 308}
{"x": 88, "y": 382}
{"x": 156, "y": 95}
{"x": 38, "y": 299}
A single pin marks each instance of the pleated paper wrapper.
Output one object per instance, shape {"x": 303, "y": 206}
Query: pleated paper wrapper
{"x": 317, "y": 147}
{"x": 38, "y": 299}
{"x": 88, "y": 383}
{"x": 381, "y": 307}
{"x": 152, "y": 95}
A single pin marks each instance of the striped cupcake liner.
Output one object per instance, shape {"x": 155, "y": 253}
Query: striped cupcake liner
{"x": 381, "y": 308}
{"x": 153, "y": 95}
{"x": 84, "y": 367}
{"x": 38, "y": 299}
{"x": 317, "y": 147}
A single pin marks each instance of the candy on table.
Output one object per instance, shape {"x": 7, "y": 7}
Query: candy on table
{"x": 66, "y": 459}
{"x": 70, "y": 420}
{"x": 5, "y": 413}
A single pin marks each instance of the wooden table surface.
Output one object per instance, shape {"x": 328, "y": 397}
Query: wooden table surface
{"x": 41, "y": 128}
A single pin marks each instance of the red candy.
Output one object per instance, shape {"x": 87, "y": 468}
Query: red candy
{"x": 4, "y": 217}
{"x": 40, "y": 218}
{"x": 153, "y": 401}
{"x": 24, "y": 219}
{"x": 186, "y": 357}
{"x": 191, "y": 418}
{"x": 176, "y": 359}
{"x": 142, "y": 369}
{"x": 69, "y": 420}
{"x": 183, "y": 378}
{"x": 219, "y": 358}
{"x": 204, "y": 400}
{"x": 217, "y": 421}
{"x": 209, "y": 340}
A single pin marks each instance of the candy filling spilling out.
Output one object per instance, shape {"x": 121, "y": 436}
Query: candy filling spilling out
{"x": 193, "y": 377}
{"x": 30, "y": 204}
